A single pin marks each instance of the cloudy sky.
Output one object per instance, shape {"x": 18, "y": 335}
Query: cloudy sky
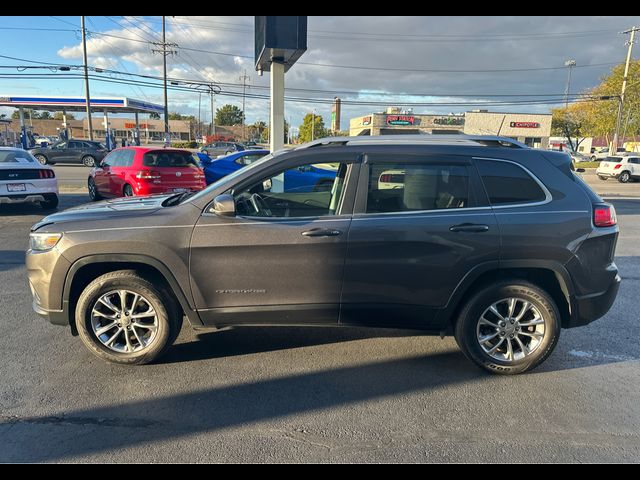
{"x": 432, "y": 64}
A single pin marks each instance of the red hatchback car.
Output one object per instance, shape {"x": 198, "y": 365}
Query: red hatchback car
{"x": 130, "y": 171}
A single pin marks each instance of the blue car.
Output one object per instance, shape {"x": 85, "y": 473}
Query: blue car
{"x": 303, "y": 179}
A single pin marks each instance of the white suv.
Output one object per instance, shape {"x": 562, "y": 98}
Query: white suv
{"x": 23, "y": 179}
{"x": 624, "y": 168}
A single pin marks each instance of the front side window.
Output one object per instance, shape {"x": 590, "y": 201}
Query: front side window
{"x": 248, "y": 159}
{"x": 405, "y": 187}
{"x": 507, "y": 183}
{"x": 305, "y": 191}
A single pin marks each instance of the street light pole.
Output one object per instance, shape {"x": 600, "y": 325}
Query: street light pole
{"x": 86, "y": 79}
{"x": 614, "y": 145}
{"x": 313, "y": 124}
{"x": 570, "y": 64}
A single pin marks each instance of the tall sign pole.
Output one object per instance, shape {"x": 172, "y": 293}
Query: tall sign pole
{"x": 86, "y": 79}
{"x": 614, "y": 146}
{"x": 164, "y": 52}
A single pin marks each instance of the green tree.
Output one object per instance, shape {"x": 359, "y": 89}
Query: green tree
{"x": 154, "y": 116}
{"x": 599, "y": 116}
{"x": 178, "y": 116}
{"x": 318, "y": 129}
{"x": 571, "y": 123}
{"x": 229, "y": 115}
{"x": 27, "y": 112}
{"x": 47, "y": 116}
{"x": 58, "y": 116}
{"x": 265, "y": 133}
{"x": 258, "y": 130}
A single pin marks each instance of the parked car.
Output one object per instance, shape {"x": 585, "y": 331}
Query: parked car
{"x": 604, "y": 153}
{"x": 494, "y": 242}
{"x": 130, "y": 171}
{"x": 315, "y": 178}
{"x": 23, "y": 179}
{"x": 73, "y": 151}
{"x": 221, "y": 148}
{"x": 623, "y": 167}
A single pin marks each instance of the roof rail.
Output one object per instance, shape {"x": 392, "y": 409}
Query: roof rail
{"x": 424, "y": 139}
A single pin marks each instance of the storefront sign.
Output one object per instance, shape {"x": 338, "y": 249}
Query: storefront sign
{"x": 144, "y": 126}
{"x": 448, "y": 121}
{"x": 524, "y": 125}
{"x": 400, "y": 120}
{"x": 366, "y": 121}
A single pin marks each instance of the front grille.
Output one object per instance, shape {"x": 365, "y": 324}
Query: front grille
{"x": 19, "y": 174}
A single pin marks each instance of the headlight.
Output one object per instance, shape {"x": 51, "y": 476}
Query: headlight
{"x": 41, "y": 242}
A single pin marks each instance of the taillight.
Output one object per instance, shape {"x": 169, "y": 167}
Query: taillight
{"x": 604, "y": 216}
{"x": 46, "y": 174}
{"x": 617, "y": 166}
{"x": 147, "y": 174}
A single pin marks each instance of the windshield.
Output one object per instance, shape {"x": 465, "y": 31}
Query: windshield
{"x": 16, "y": 156}
{"x": 230, "y": 178}
{"x": 613, "y": 159}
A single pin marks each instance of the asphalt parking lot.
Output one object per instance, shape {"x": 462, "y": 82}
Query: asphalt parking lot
{"x": 315, "y": 394}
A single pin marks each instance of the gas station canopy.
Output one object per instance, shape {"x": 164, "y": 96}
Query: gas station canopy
{"x": 73, "y": 104}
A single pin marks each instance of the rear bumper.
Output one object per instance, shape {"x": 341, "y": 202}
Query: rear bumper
{"x": 589, "y": 308}
{"x": 606, "y": 174}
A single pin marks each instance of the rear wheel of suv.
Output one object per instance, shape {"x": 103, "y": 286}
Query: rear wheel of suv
{"x": 508, "y": 328}
{"x": 41, "y": 158}
{"x": 88, "y": 161}
{"x": 624, "y": 177}
{"x": 123, "y": 318}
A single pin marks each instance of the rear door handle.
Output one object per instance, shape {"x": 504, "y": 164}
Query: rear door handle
{"x": 469, "y": 228}
{"x": 321, "y": 232}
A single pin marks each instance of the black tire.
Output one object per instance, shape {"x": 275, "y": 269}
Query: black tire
{"x": 594, "y": 158}
{"x": 603, "y": 178}
{"x": 41, "y": 158}
{"x": 50, "y": 201}
{"x": 94, "y": 195}
{"x": 127, "y": 191}
{"x": 467, "y": 324}
{"x": 169, "y": 317}
{"x": 624, "y": 177}
{"x": 88, "y": 161}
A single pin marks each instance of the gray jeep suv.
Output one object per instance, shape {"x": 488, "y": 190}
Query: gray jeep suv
{"x": 484, "y": 238}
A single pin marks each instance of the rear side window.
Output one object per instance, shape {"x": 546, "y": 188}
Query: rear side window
{"x": 125, "y": 159}
{"x": 161, "y": 159}
{"x": 507, "y": 183}
{"x": 398, "y": 187}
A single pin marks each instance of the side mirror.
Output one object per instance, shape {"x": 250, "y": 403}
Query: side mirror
{"x": 224, "y": 205}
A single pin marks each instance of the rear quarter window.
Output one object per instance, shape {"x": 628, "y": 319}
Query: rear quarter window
{"x": 509, "y": 184}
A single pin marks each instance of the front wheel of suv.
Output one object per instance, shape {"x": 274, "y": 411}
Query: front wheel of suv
{"x": 123, "y": 318}
{"x": 508, "y": 328}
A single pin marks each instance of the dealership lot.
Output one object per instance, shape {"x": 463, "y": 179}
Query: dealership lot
{"x": 285, "y": 394}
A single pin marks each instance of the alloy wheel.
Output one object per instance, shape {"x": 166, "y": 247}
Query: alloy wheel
{"x": 510, "y": 329}
{"x": 124, "y": 321}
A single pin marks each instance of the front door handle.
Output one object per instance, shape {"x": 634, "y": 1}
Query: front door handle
{"x": 469, "y": 228}
{"x": 321, "y": 232}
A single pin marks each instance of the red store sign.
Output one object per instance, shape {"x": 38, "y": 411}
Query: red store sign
{"x": 400, "y": 120}
{"x": 524, "y": 125}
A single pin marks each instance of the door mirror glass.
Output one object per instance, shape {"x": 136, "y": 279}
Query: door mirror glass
{"x": 224, "y": 205}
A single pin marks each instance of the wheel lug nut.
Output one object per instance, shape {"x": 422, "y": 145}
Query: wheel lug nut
{"x": 502, "y": 334}
{"x": 502, "y": 324}
{"x": 511, "y": 335}
{"x": 512, "y": 321}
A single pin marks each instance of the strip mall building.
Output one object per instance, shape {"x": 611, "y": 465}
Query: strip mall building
{"x": 529, "y": 128}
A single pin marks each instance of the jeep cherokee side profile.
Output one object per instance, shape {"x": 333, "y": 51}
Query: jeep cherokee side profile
{"x": 484, "y": 238}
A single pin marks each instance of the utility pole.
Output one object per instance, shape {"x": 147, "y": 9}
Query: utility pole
{"x": 213, "y": 115}
{"x": 313, "y": 124}
{"x": 86, "y": 79}
{"x": 614, "y": 144}
{"x": 570, "y": 64}
{"x": 199, "y": 123}
{"x": 164, "y": 52}
{"x": 243, "y": 78}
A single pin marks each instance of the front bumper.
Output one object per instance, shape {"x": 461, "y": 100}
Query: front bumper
{"x": 589, "y": 308}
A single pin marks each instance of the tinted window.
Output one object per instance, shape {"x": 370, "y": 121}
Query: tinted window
{"x": 507, "y": 183}
{"x": 75, "y": 144}
{"x": 161, "y": 159}
{"x": 125, "y": 158}
{"x": 304, "y": 191}
{"x": 9, "y": 156}
{"x": 634, "y": 160}
{"x": 397, "y": 187}
{"x": 111, "y": 159}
